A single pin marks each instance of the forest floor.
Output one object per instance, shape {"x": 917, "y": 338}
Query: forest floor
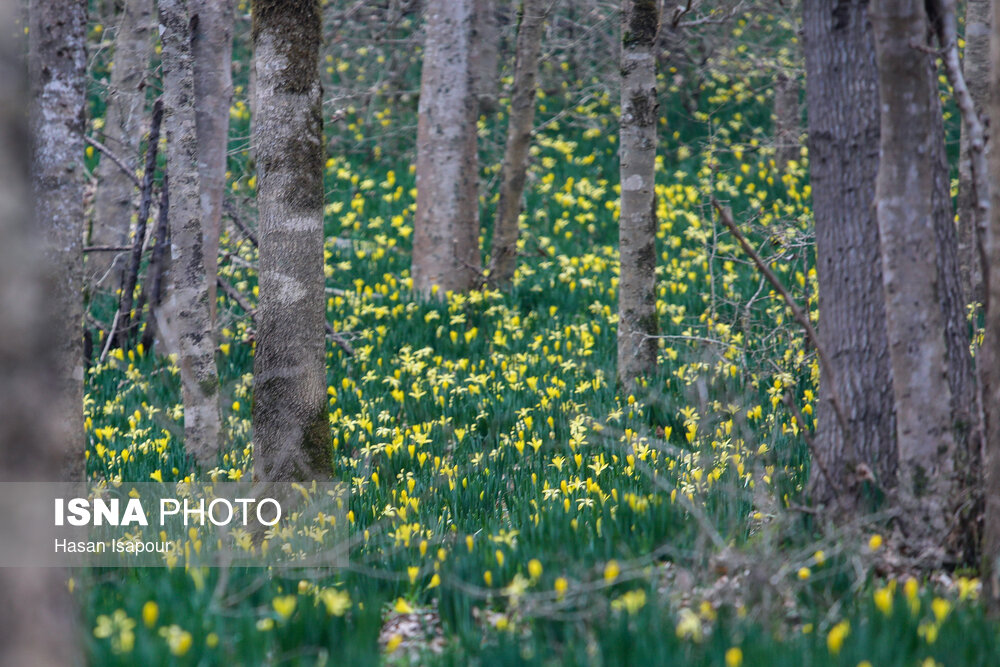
{"x": 508, "y": 505}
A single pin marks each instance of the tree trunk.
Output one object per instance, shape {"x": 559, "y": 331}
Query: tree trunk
{"x": 446, "y": 227}
{"x": 188, "y": 299}
{"x": 637, "y": 222}
{"x": 114, "y": 202}
{"x": 990, "y": 352}
{"x": 41, "y": 362}
{"x": 291, "y": 428}
{"x": 976, "y": 68}
{"x": 57, "y": 68}
{"x": 843, "y": 101}
{"x": 486, "y": 56}
{"x": 787, "y": 119}
{"x": 503, "y": 254}
{"x": 212, "y": 47}
{"x": 926, "y": 326}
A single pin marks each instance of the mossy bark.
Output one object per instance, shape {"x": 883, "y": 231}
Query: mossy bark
{"x": 637, "y": 321}
{"x": 503, "y": 253}
{"x": 292, "y": 438}
{"x": 114, "y": 203}
{"x": 212, "y": 47}
{"x": 446, "y": 225}
{"x": 187, "y": 303}
{"x": 927, "y": 331}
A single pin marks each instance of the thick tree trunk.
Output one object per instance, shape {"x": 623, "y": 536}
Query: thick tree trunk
{"x": 446, "y": 227}
{"x": 990, "y": 352}
{"x": 637, "y": 223}
{"x": 212, "y": 47}
{"x": 787, "y": 120}
{"x": 976, "y": 69}
{"x": 188, "y": 299}
{"x": 291, "y": 427}
{"x": 39, "y": 422}
{"x": 925, "y": 320}
{"x": 486, "y": 56}
{"x": 57, "y": 62}
{"x": 114, "y": 203}
{"x": 503, "y": 254}
{"x": 843, "y": 100}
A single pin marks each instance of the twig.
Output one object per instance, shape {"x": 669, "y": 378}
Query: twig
{"x": 797, "y": 415}
{"x": 114, "y": 158}
{"x": 235, "y": 295}
{"x": 797, "y": 313}
{"x": 131, "y": 275}
{"x": 106, "y": 248}
{"x": 111, "y": 335}
{"x": 230, "y": 210}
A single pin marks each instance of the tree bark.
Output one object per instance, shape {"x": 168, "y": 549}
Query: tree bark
{"x": 503, "y": 254}
{"x": 637, "y": 222}
{"x": 291, "y": 426}
{"x": 114, "y": 201}
{"x": 188, "y": 299}
{"x": 926, "y": 326}
{"x": 57, "y": 67}
{"x": 212, "y": 47}
{"x": 486, "y": 56}
{"x": 990, "y": 352}
{"x": 446, "y": 226}
{"x": 843, "y": 101}
{"x": 976, "y": 69}
{"x": 41, "y": 361}
{"x": 787, "y": 119}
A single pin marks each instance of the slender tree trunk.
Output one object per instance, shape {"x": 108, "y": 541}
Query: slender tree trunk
{"x": 37, "y": 623}
{"x": 843, "y": 100}
{"x": 290, "y": 419}
{"x": 990, "y": 352}
{"x": 976, "y": 68}
{"x": 446, "y": 227}
{"x": 188, "y": 300}
{"x": 486, "y": 56}
{"x": 212, "y": 47}
{"x": 503, "y": 254}
{"x": 932, "y": 377}
{"x": 114, "y": 202}
{"x": 787, "y": 120}
{"x": 637, "y": 223}
{"x": 57, "y": 66}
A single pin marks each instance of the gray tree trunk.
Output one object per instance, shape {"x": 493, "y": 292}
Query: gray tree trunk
{"x": 187, "y": 303}
{"x": 291, "y": 426}
{"x": 37, "y": 625}
{"x": 503, "y": 254}
{"x": 976, "y": 69}
{"x": 843, "y": 101}
{"x": 212, "y": 47}
{"x": 446, "y": 225}
{"x": 57, "y": 67}
{"x": 114, "y": 203}
{"x": 787, "y": 120}
{"x": 637, "y": 223}
{"x": 932, "y": 377}
{"x": 989, "y": 358}
{"x": 486, "y": 56}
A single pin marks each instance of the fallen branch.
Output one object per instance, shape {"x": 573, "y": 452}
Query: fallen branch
{"x": 114, "y": 158}
{"x": 797, "y": 312}
{"x": 230, "y": 210}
